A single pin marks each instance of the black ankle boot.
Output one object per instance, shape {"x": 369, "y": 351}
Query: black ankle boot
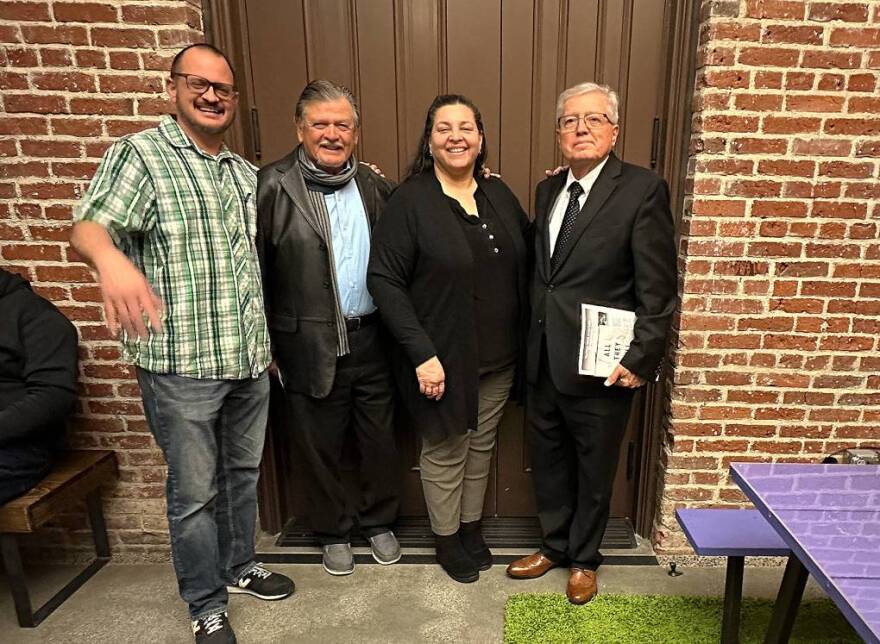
{"x": 455, "y": 560}
{"x": 472, "y": 540}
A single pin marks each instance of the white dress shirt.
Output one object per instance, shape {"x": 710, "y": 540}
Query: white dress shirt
{"x": 558, "y": 212}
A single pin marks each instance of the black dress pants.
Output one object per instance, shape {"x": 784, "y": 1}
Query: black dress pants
{"x": 362, "y": 399}
{"x": 574, "y": 445}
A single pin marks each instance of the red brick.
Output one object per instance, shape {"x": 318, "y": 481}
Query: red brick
{"x": 780, "y": 413}
{"x": 814, "y": 103}
{"x": 847, "y": 12}
{"x": 822, "y": 147}
{"x": 846, "y": 169}
{"x": 846, "y": 343}
{"x": 55, "y": 57}
{"x": 741, "y": 268}
{"x": 832, "y": 82}
{"x": 147, "y": 15}
{"x": 64, "y": 274}
{"x": 13, "y": 80}
{"x": 91, "y": 58}
{"x": 768, "y": 80}
{"x": 787, "y": 168}
{"x": 63, "y": 35}
{"x": 725, "y": 166}
{"x": 860, "y": 37}
{"x": 121, "y": 128}
{"x": 24, "y": 11}
{"x": 754, "y": 431}
{"x": 8, "y": 148}
{"x": 859, "y": 431}
{"x": 84, "y": 170}
{"x": 790, "y": 34}
{"x": 840, "y": 209}
{"x": 718, "y": 208}
{"x": 118, "y": 37}
{"x": 758, "y": 102}
{"x": 70, "y": 126}
{"x": 35, "y": 104}
{"x": 124, "y": 60}
{"x": 779, "y": 209}
{"x": 125, "y": 83}
{"x": 824, "y": 59}
{"x": 178, "y": 37}
{"x": 779, "y": 9}
{"x": 49, "y": 190}
{"x": 864, "y": 104}
{"x": 84, "y": 12}
{"x": 754, "y": 188}
{"x": 156, "y": 61}
{"x": 758, "y": 146}
{"x": 715, "y": 56}
{"x": 861, "y": 83}
{"x": 799, "y": 80}
{"x": 49, "y": 148}
{"x": 791, "y": 125}
{"x": 730, "y": 123}
{"x": 66, "y": 81}
{"x": 862, "y": 127}
{"x": 725, "y": 79}
{"x": 769, "y": 56}
{"x": 27, "y": 169}
{"x": 21, "y": 57}
{"x": 154, "y": 106}
{"x": 92, "y": 106}
{"x": 733, "y": 341}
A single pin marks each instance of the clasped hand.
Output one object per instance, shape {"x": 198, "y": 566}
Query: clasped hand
{"x": 432, "y": 378}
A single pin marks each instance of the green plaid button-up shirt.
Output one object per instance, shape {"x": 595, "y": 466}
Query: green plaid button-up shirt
{"x": 187, "y": 220}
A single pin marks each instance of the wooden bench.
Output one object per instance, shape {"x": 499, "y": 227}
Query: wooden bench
{"x": 78, "y": 475}
{"x": 735, "y": 534}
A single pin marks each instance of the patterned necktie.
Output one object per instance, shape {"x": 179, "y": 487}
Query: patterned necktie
{"x": 568, "y": 221}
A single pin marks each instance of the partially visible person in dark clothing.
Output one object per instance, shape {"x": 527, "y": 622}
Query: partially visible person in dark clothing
{"x": 38, "y": 357}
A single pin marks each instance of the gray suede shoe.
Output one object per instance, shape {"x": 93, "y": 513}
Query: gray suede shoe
{"x": 385, "y": 548}
{"x": 338, "y": 559}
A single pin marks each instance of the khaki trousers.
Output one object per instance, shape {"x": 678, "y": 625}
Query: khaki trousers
{"x": 455, "y": 471}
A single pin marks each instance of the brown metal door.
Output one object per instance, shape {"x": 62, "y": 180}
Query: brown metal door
{"x": 512, "y": 58}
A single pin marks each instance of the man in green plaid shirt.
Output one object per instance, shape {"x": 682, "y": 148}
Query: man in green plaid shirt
{"x": 168, "y": 223}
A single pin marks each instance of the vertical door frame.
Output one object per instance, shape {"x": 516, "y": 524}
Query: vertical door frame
{"x": 225, "y": 25}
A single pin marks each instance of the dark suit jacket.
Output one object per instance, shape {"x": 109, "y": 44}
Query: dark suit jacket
{"x": 297, "y": 283}
{"x": 421, "y": 277}
{"x": 622, "y": 255}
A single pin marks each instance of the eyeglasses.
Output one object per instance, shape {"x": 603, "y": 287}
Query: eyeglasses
{"x": 200, "y": 85}
{"x": 569, "y": 122}
{"x": 343, "y": 127}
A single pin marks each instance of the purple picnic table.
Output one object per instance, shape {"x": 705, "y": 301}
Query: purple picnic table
{"x": 829, "y": 515}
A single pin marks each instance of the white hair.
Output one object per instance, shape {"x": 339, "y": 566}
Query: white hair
{"x": 588, "y": 88}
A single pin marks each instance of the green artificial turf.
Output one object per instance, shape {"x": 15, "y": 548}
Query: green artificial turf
{"x": 631, "y": 619}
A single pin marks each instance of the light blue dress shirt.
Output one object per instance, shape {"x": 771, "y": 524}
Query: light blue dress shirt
{"x": 350, "y": 231}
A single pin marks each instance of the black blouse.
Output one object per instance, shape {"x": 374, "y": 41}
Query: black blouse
{"x": 496, "y": 301}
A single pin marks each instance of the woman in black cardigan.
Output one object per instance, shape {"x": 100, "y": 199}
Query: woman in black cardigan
{"x": 448, "y": 271}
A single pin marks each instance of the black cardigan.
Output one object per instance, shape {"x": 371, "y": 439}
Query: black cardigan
{"x": 421, "y": 278}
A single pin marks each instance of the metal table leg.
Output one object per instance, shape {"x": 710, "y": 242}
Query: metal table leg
{"x": 732, "y": 600}
{"x": 787, "y": 601}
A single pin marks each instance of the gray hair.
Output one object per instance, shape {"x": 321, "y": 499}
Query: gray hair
{"x": 319, "y": 91}
{"x": 587, "y": 88}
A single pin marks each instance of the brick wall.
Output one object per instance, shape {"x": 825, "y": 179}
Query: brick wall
{"x": 75, "y": 76}
{"x": 777, "y": 350}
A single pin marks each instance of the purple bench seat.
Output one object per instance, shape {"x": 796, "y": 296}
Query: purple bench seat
{"x": 735, "y": 534}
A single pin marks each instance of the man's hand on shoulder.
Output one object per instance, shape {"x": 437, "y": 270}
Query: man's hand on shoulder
{"x": 374, "y": 168}
{"x": 623, "y": 377}
{"x": 127, "y": 295}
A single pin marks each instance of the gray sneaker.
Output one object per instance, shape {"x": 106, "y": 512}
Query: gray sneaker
{"x": 385, "y": 548}
{"x": 338, "y": 559}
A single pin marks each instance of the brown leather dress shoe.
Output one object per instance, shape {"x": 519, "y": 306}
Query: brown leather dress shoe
{"x": 530, "y": 566}
{"x": 582, "y": 586}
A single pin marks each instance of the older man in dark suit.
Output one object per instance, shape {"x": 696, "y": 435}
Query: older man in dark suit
{"x": 604, "y": 236}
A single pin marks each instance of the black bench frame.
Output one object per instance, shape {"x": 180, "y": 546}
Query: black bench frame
{"x": 27, "y": 617}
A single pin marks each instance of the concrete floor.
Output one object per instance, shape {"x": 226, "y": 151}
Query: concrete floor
{"x": 402, "y": 603}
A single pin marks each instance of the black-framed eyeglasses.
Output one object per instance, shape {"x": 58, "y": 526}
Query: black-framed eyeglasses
{"x": 200, "y": 85}
{"x": 594, "y": 121}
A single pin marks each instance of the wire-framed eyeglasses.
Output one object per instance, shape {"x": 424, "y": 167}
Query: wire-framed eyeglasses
{"x": 594, "y": 121}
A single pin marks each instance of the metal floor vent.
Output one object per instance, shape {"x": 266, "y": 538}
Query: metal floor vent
{"x": 499, "y": 532}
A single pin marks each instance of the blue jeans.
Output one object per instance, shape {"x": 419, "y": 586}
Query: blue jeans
{"x": 211, "y": 432}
